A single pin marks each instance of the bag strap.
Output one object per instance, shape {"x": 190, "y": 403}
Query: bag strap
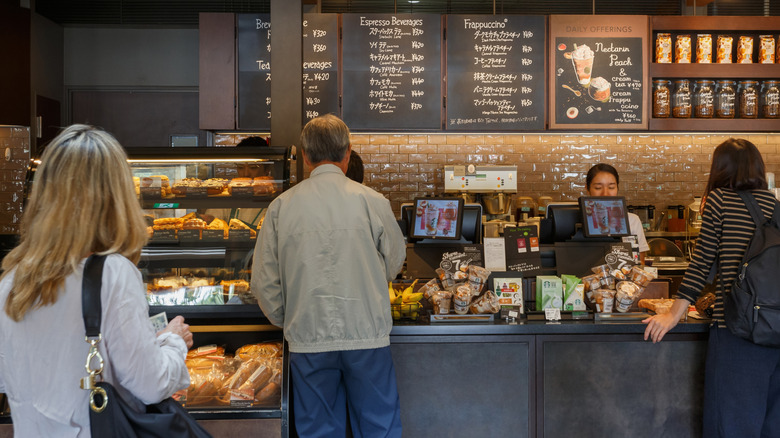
{"x": 753, "y": 208}
{"x": 91, "y": 305}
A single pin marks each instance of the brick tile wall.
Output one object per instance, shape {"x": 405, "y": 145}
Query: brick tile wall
{"x": 659, "y": 169}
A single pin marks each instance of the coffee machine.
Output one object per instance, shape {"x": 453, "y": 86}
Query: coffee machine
{"x": 492, "y": 186}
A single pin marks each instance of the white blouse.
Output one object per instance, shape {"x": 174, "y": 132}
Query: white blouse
{"x": 42, "y": 357}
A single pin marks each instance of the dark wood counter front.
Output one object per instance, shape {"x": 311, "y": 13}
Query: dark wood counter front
{"x": 538, "y": 379}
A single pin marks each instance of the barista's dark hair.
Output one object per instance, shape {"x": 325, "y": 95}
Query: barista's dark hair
{"x": 355, "y": 167}
{"x": 736, "y": 164}
{"x": 597, "y": 169}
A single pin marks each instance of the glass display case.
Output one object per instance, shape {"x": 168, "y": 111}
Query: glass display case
{"x": 203, "y": 208}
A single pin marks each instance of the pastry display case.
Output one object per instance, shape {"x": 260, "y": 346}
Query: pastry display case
{"x": 203, "y": 208}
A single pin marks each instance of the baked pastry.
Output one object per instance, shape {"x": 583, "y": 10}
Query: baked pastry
{"x": 705, "y": 303}
{"x": 206, "y": 351}
{"x": 239, "y": 182}
{"x": 263, "y": 349}
{"x": 219, "y": 224}
{"x": 236, "y": 224}
{"x": 263, "y": 185}
{"x": 239, "y": 286}
{"x": 657, "y": 305}
{"x": 171, "y": 226}
{"x": 194, "y": 224}
{"x": 215, "y": 186}
{"x": 166, "y": 220}
{"x": 181, "y": 186}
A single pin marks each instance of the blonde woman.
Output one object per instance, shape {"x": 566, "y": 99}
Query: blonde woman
{"x": 82, "y": 202}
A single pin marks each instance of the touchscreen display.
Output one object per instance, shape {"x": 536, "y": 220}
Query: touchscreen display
{"x": 437, "y": 218}
{"x": 604, "y": 216}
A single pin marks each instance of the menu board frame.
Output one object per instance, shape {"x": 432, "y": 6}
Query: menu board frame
{"x": 508, "y": 55}
{"x": 380, "y": 40}
{"x": 602, "y": 27}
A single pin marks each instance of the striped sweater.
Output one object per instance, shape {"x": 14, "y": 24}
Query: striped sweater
{"x": 726, "y": 231}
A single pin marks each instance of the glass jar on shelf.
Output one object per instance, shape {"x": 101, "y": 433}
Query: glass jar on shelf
{"x": 681, "y": 99}
{"x": 725, "y": 99}
{"x": 748, "y": 99}
{"x": 661, "y": 98}
{"x": 770, "y": 99}
{"x": 704, "y": 99}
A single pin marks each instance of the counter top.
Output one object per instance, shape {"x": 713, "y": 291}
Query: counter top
{"x": 525, "y": 327}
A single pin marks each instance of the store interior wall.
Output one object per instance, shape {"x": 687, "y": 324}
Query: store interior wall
{"x": 659, "y": 169}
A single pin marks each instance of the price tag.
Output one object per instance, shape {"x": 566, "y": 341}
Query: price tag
{"x": 164, "y": 235}
{"x": 151, "y": 192}
{"x": 552, "y": 314}
{"x": 189, "y": 235}
{"x": 213, "y": 235}
{"x": 242, "y": 191}
{"x": 239, "y": 235}
{"x": 196, "y": 192}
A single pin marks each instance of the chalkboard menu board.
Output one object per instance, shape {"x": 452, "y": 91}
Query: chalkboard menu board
{"x": 391, "y": 72}
{"x": 320, "y": 65}
{"x": 254, "y": 71}
{"x": 597, "y": 74}
{"x": 495, "y": 72}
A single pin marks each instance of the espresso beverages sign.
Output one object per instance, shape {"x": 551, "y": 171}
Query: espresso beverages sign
{"x": 320, "y": 65}
{"x": 495, "y": 72}
{"x": 392, "y": 71}
{"x": 254, "y": 71}
{"x": 597, "y": 74}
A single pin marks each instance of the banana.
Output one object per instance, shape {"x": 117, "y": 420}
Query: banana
{"x": 412, "y": 298}
{"x": 391, "y": 291}
{"x": 409, "y": 290}
{"x": 398, "y": 299}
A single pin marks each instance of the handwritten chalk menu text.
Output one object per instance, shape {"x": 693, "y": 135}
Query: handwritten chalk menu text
{"x": 254, "y": 71}
{"x": 320, "y": 65}
{"x": 597, "y": 71}
{"x": 391, "y": 71}
{"x": 598, "y": 80}
{"x": 495, "y": 72}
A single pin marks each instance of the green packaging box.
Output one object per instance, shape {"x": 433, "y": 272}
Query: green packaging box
{"x": 573, "y": 293}
{"x": 549, "y": 292}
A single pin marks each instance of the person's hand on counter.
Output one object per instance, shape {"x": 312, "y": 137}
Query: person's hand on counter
{"x": 659, "y": 325}
{"x": 177, "y": 326}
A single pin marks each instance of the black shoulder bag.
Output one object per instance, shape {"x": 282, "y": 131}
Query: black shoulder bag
{"x": 109, "y": 415}
{"x": 752, "y": 308}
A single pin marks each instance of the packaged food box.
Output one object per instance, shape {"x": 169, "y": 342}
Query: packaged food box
{"x": 549, "y": 292}
{"x": 573, "y": 293}
{"x": 509, "y": 292}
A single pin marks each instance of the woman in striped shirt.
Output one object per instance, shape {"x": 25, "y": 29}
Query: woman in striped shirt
{"x": 742, "y": 379}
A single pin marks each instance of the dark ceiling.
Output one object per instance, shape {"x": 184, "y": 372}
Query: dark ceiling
{"x": 169, "y": 13}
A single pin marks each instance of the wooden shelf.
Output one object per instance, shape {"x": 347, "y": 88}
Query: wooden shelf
{"x": 731, "y": 125}
{"x": 746, "y": 24}
{"x": 714, "y": 71}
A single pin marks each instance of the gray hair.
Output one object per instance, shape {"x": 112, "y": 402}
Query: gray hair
{"x": 325, "y": 138}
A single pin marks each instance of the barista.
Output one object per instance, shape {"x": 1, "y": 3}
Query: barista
{"x": 603, "y": 180}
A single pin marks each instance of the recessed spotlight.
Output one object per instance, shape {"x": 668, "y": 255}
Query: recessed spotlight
{"x": 414, "y": 1}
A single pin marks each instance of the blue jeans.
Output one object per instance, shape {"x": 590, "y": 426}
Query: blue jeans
{"x": 741, "y": 388}
{"x": 324, "y": 385}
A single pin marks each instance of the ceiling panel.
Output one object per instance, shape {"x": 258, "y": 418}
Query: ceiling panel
{"x": 185, "y": 12}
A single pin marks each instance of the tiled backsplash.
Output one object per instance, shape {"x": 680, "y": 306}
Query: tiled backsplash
{"x": 658, "y": 169}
